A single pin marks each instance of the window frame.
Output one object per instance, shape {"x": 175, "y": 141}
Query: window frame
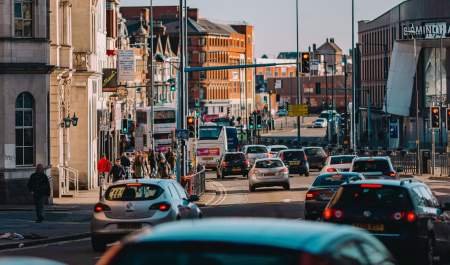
{"x": 22, "y": 19}
{"x": 24, "y": 127}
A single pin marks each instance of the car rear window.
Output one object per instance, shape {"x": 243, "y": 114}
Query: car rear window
{"x": 234, "y": 157}
{"x": 325, "y": 180}
{"x": 269, "y": 164}
{"x": 372, "y": 196}
{"x": 341, "y": 160}
{"x": 133, "y": 192}
{"x": 256, "y": 149}
{"x": 314, "y": 152}
{"x": 277, "y": 149}
{"x": 371, "y": 166}
{"x": 293, "y": 155}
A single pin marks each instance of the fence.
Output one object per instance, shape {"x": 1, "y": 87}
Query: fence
{"x": 195, "y": 183}
{"x": 69, "y": 179}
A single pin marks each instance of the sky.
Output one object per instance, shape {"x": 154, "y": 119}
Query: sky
{"x": 274, "y": 20}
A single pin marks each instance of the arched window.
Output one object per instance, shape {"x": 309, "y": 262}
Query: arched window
{"x": 25, "y": 130}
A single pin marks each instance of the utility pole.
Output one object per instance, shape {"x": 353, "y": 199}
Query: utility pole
{"x": 326, "y": 84}
{"x": 345, "y": 98}
{"x": 353, "y": 79}
{"x": 299, "y": 100}
{"x": 152, "y": 81}
{"x": 181, "y": 115}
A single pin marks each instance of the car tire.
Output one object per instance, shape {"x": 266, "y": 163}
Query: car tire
{"x": 307, "y": 174}
{"x": 287, "y": 186}
{"x": 98, "y": 245}
{"x": 430, "y": 257}
{"x": 251, "y": 189}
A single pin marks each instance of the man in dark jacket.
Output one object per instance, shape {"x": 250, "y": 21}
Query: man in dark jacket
{"x": 126, "y": 164}
{"x": 39, "y": 186}
{"x": 117, "y": 172}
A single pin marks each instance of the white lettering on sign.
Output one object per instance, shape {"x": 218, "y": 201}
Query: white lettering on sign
{"x": 427, "y": 31}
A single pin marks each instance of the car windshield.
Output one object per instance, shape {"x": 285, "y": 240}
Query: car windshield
{"x": 269, "y": 164}
{"x": 212, "y": 254}
{"x": 256, "y": 149}
{"x": 341, "y": 160}
{"x": 293, "y": 156}
{"x": 210, "y": 133}
{"x": 367, "y": 196}
{"x": 371, "y": 166}
{"x": 234, "y": 157}
{"x": 320, "y": 120}
{"x": 314, "y": 152}
{"x": 133, "y": 192}
{"x": 334, "y": 179}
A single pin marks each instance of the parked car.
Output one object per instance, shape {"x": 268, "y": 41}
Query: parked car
{"x": 316, "y": 157}
{"x": 403, "y": 214}
{"x": 237, "y": 241}
{"x": 253, "y": 152}
{"x": 233, "y": 163}
{"x": 268, "y": 172}
{"x": 295, "y": 160}
{"x": 320, "y": 123}
{"x": 375, "y": 167}
{"x": 338, "y": 163}
{"x": 282, "y": 113}
{"x": 274, "y": 149}
{"x": 322, "y": 189}
{"x": 130, "y": 205}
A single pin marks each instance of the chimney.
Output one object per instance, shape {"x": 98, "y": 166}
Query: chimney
{"x": 193, "y": 13}
{"x": 314, "y": 47}
{"x": 332, "y": 40}
{"x": 327, "y": 40}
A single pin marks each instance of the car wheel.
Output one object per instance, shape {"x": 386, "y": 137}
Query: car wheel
{"x": 252, "y": 189}
{"x": 430, "y": 252}
{"x": 223, "y": 175}
{"x": 307, "y": 174}
{"x": 287, "y": 186}
{"x": 98, "y": 245}
{"x": 218, "y": 175}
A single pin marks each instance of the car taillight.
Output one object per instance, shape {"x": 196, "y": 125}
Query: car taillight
{"x": 100, "y": 207}
{"x": 371, "y": 186}
{"x": 282, "y": 157}
{"x": 411, "y": 217}
{"x": 330, "y": 169}
{"x": 392, "y": 174}
{"x": 246, "y": 162}
{"x": 163, "y": 207}
{"x": 329, "y": 213}
{"x": 224, "y": 164}
{"x": 407, "y": 216}
{"x": 311, "y": 195}
{"x": 284, "y": 171}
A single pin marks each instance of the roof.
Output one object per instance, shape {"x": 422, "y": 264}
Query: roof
{"x": 367, "y": 158}
{"x": 343, "y": 155}
{"x": 330, "y": 44}
{"x": 276, "y": 145}
{"x": 202, "y": 26}
{"x": 387, "y": 182}
{"x": 27, "y": 260}
{"x": 144, "y": 181}
{"x": 314, "y": 238}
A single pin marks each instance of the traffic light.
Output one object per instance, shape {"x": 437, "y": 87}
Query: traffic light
{"x": 435, "y": 118}
{"x": 448, "y": 119}
{"x": 251, "y": 122}
{"x": 393, "y": 131}
{"x": 125, "y": 128}
{"x": 190, "y": 124}
{"x": 228, "y": 111}
{"x": 265, "y": 99}
{"x": 197, "y": 103}
{"x": 173, "y": 86}
{"x": 318, "y": 92}
{"x": 258, "y": 121}
{"x": 305, "y": 62}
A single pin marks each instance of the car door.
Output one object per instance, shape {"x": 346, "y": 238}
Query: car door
{"x": 192, "y": 207}
{"x": 183, "y": 203}
{"x": 375, "y": 255}
{"x": 348, "y": 252}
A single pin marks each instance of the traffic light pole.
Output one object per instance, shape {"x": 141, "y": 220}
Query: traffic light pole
{"x": 297, "y": 73}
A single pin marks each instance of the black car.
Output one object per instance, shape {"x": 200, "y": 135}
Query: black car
{"x": 322, "y": 189}
{"x": 316, "y": 157}
{"x": 403, "y": 214}
{"x": 233, "y": 163}
{"x": 295, "y": 160}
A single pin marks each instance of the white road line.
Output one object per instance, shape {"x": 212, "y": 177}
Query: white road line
{"x": 44, "y": 245}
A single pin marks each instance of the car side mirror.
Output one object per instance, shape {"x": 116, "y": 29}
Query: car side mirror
{"x": 399, "y": 170}
{"x": 194, "y": 198}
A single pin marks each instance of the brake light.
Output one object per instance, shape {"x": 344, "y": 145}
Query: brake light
{"x": 408, "y": 216}
{"x": 311, "y": 195}
{"x": 411, "y": 217}
{"x": 100, "y": 207}
{"x": 329, "y": 213}
{"x": 392, "y": 174}
{"x": 134, "y": 184}
{"x": 371, "y": 186}
{"x": 224, "y": 164}
{"x": 330, "y": 169}
{"x": 247, "y": 163}
{"x": 282, "y": 156}
{"x": 163, "y": 207}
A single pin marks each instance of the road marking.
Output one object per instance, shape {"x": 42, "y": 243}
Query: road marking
{"x": 217, "y": 200}
{"x": 43, "y": 245}
{"x": 286, "y": 200}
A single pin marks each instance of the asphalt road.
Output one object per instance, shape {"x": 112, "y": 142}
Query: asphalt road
{"x": 235, "y": 200}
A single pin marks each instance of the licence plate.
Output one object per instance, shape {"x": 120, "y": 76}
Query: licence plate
{"x": 129, "y": 226}
{"x": 371, "y": 227}
{"x": 236, "y": 169}
{"x": 207, "y": 158}
{"x": 294, "y": 163}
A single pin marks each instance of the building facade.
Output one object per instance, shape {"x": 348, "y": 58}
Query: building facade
{"x": 394, "y": 67}
{"x": 24, "y": 91}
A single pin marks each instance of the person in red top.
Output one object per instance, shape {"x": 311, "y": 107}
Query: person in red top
{"x": 103, "y": 166}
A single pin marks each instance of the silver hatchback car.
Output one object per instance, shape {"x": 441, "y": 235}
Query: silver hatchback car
{"x": 268, "y": 172}
{"x": 130, "y": 205}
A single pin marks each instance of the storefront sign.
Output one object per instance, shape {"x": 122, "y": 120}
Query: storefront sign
{"x": 109, "y": 80}
{"x": 126, "y": 65}
{"x": 435, "y": 30}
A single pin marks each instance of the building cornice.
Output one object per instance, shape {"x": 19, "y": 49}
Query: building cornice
{"x": 13, "y": 39}
{"x": 25, "y": 68}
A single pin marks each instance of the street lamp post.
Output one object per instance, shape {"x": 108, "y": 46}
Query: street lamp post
{"x": 353, "y": 79}
{"x": 299, "y": 100}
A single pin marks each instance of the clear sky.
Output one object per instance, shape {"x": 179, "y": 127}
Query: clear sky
{"x": 274, "y": 20}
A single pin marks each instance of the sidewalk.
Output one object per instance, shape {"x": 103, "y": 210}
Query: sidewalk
{"x": 66, "y": 219}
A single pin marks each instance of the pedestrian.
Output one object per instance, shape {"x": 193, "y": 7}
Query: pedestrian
{"x": 170, "y": 156}
{"x": 138, "y": 166}
{"x": 125, "y": 163}
{"x": 39, "y": 186}
{"x": 103, "y": 167}
{"x": 145, "y": 164}
{"x": 117, "y": 171}
{"x": 163, "y": 168}
{"x": 152, "y": 161}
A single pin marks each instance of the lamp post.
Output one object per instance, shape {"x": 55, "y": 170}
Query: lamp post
{"x": 353, "y": 80}
{"x": 297, "y": 72}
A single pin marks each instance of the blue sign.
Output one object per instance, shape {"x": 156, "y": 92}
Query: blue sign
{"x": 182, "y": 134}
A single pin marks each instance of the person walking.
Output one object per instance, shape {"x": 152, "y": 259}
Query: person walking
{"x": 117, "y": 171}
{"x": 39, "y": 186}
{"x": 170, "y": 156}
{"x": 126, "y": 164}
{"x": 152, "y": 162}
{"x": 163, "y": 168}
{"x": 103, "y": 168}
{"x": 138, "y": 166}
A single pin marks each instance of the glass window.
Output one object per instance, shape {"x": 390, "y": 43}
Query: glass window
{"x": 326, "y": 180}
{"x": 133, "y": 192}
{"x": 180, "y": 190}
{"x": 165, "y": 116}
{"x": 350, "y": 254}
{"x": 341, "y": 160}
{"x": 256, "y": 149}
{"x": 24, "y": 130}
{"x": 269, "y": 164}
{"x": 23, "y": 18}
{"x": 371, "y": 166}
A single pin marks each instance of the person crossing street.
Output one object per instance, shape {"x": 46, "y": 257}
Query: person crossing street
{"x": 117, "y": 171}
{"x": 39, "y": 186}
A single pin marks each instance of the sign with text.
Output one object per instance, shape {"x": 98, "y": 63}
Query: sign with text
{"x": 435, "y": 30}
{"x": 296, "y": 110}
{"x": 126, "y": 65}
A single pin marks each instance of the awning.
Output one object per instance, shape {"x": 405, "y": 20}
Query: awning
{"x": 401, "y": 78}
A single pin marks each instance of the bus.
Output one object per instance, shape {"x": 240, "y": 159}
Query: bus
{"x": 212, "y": 143}
{"x": 232, "y": 139}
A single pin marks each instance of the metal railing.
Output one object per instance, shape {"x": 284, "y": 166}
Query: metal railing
{"x": 195, "y": 184}
{"x": 69, "y": 178}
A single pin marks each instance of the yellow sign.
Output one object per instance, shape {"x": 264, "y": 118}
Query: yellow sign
{"x": 298, "y": 110}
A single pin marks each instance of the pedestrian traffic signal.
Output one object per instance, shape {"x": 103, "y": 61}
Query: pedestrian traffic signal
{"x": 125, "y": 129}
{"x": 448, "y": 119}
{"x": 435, "y": 118}
{"x": 305, "y": 62}
{"x": 190, "y": 123}
{"x": 172, "y": 84}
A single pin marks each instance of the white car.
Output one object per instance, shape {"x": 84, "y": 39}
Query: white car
{"x": 320, "y": 123}
{"x": 338, "y": 163}
{"x": 275, "y": 149}
{"x": 253, "y": 152}
{"x": 268, "y": 172}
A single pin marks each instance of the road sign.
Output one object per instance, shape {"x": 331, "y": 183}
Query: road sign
{"x": 182, "y": 134}
{"x": 296, "y": 110}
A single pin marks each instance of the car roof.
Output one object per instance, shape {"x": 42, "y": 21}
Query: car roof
{"x": 254, "y": 145}
{"x": 277, "y": 146}
{"x": 233, "y": 153}
{"x": 340, "y": 173}
{"x": 335, "y": 156}
{"x": 293, "y": 150}
{"x": 27, "y": 260}
{"x": 309, "y": 237}
{"x": 367, "y": 158}
{"x": 159, "y": 182}
{"x": 388, "y": 182}
{"x": 268, "y": 159}
{"x": 312, "y": 147}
